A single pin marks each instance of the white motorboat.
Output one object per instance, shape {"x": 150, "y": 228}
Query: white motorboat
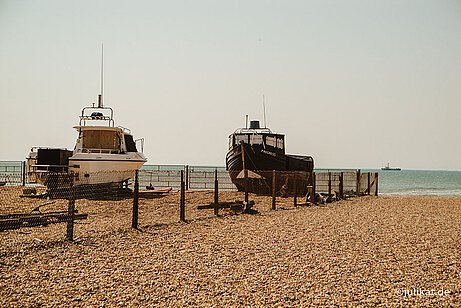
{"x": 103, "y": 153}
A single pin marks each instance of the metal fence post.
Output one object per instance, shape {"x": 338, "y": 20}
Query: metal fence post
{"x": 182, "y": 201}
{"x": 134, "y": 220}
{"x": 273, "y": 189}
{"x": 216, "y": 200}
{"x": 71, "y": 209}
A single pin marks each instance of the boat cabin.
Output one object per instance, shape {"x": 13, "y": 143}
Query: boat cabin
{"x": 105, "y": 139}
{"x": 256, "y": 136}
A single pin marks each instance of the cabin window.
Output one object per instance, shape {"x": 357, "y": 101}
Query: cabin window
{"x": 100, "y": 139}
{"x": 130, "y": 144}
{"x": 280, "y": 143}
{"x": 256, "y": 139}
{"x": 270, "y": 141}
{"x": 239, "y": 138}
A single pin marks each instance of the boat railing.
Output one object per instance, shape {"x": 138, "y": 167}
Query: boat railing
{"x": 99, "y": 151}
{"x": 97, "y": 117}
{"x": 253, "y": 131}
{"x": 124, "y": 129}
{"x": 48, "y": 168}
{"x": 35, "y": 148}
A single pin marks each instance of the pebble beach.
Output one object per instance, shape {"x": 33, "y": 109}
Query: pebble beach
{"x": 366, "y": 251}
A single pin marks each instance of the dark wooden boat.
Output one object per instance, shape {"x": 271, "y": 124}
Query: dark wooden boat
{"x": 260, "y": 151}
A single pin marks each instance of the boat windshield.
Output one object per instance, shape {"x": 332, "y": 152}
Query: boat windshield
{"x": 240, "y": 138}
{"x": 246, "y": 138}
{"x": 100, "y": 139}
{"x": 280, "y": 143}
{"x": 271, "y": 141}
{"x": 276, "y": 141}
{"x": 256, "y": 139}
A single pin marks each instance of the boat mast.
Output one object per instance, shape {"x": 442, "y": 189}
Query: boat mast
{"x": 264, "y": 113}
{"x": 100, "y": 103}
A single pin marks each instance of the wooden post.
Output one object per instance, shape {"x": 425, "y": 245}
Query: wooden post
{"x": 216, "y": 200}
{"x": 242, "y": 149}
{"x": 369, "y": 183}
{"x": 295, "y": 199}
{"x": 314, "y": 198}
{"x": 134, "y": 218}
{"x": 329, "y": 186}
{"x": 376, "y": 183}
{"x": 23, "y": 165}
{"x": 187, "y": 177}
{"x": 182, "y": 200}
{"x": 358, "y": 182}
{"x": 246, "y": 190}
{"x": 341, "y": 185}
{"x": 273, "y": 189}
{"x": 245, "y": 172}
{"x": 71, "y": 209}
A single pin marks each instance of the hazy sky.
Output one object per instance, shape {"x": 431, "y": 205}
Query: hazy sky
{"x": 355, "y": 84}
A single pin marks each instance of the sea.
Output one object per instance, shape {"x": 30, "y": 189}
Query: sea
{"x": 419, "y": 183}
{"x": 391, "y": 183}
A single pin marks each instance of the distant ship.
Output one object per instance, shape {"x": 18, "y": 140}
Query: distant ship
{"x": 390, "y": 169}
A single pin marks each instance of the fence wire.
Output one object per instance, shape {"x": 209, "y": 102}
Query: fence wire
{"x": 99, "y": 203}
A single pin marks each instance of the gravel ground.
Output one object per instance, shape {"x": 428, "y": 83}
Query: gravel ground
{"x": 366, "y": 251}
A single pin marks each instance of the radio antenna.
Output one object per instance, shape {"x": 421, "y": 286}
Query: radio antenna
{"x": 264, "y": 112}
{"x": 100, "y": 102}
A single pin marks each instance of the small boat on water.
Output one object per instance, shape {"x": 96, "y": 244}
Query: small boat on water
{"x": 103, "y": 153}
{"x": 388, "y": 168}
{"x": 259, "y": 151}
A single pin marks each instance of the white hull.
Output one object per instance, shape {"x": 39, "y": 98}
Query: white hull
{"x": 90, "y": 168}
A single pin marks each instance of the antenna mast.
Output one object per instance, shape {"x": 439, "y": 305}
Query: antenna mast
{"x": 100, "y": 103}
{"x": 264, "y": 110}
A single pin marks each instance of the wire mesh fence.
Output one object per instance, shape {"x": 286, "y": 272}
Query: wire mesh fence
{"x": 196, "y": 178}
{"x": 87, "y": 206}
{"x": 56, "y": 199}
